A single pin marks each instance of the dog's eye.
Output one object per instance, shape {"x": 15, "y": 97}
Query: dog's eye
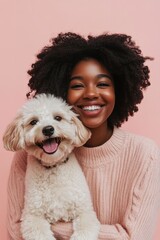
{"x": 58, "y": 118}
{"x": 33, "y": 122}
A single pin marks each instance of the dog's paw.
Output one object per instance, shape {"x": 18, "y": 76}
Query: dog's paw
{"x": 47, "y": 238}
{"x": 33, "y": 227}
{"x": 82, "y": 236}
{"x": 39, "y": 236}
{"x": 86, "y": 227}
{"x": 78, "y": 237}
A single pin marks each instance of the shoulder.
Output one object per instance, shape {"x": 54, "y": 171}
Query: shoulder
{"x": 17, "y": 176}
{"x": 143, "y": 156}
{"x": 19, "y": 162}
{"x": 141, "y": 145}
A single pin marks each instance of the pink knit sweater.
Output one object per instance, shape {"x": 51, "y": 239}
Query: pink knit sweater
{"x": 124, "y": 180}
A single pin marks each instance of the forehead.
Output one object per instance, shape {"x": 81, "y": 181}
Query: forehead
{"x": 90, "y": 66}
{"x": 43, "y": 108}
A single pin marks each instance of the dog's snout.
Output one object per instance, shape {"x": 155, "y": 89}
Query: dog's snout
{"x": 48, "y": 131}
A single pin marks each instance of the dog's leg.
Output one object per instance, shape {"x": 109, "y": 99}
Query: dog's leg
{"x": 36, "y": 228}
{"x": 86, "y": 227}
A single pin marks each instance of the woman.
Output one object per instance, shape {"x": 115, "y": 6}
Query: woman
{"x": 102, "y": 78}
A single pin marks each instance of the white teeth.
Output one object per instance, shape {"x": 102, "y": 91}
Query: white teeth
{"x": 91, "y": 108}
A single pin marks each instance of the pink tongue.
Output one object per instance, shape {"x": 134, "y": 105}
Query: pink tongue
{"x": 50, "y": 147}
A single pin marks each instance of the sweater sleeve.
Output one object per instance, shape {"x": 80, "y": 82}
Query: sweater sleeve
{"x": 16, "y": 195}
{"x": 141, "y": 214}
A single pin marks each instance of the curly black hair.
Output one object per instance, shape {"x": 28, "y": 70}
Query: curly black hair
{"x": 117, "y": 52}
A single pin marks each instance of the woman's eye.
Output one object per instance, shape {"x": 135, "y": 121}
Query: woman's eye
{"x": 76, "y": 86}
{"x": 58, "y": 118}
{"x": 33, "y": 122}
{"x": 103, "y": 84}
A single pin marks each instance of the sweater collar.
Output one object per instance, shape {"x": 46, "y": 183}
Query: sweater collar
{"x": 107, "y": 152}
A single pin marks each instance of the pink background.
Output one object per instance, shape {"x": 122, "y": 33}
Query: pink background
{"x": 26, "y": 26}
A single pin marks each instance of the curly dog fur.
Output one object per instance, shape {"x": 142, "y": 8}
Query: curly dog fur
{"x": 55, "y": 187}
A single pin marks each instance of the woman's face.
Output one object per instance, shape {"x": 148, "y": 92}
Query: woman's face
{"x": 91, "y": 93}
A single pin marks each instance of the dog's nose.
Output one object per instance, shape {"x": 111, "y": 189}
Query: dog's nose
{"x": 48, "y": 131}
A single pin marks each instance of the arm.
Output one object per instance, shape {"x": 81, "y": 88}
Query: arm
{"x": 140, "y": 217}
{"x": 16, "y": 195}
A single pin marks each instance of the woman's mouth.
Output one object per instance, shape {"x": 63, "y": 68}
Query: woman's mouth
{"x": 90, "y": 108}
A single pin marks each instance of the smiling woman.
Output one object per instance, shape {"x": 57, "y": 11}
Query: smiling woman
{"x": 91, "y": 92}
{"x": 103, "y": 79}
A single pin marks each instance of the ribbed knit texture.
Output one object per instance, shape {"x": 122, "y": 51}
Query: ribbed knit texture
{"x": 123, "y": 176}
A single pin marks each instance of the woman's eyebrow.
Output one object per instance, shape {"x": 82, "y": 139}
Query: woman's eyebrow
{"x": 76, "y": 77}
{"x": 101, "y": 75}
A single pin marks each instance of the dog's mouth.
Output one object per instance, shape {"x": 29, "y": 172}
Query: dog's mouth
{"x": 49, "y": 145}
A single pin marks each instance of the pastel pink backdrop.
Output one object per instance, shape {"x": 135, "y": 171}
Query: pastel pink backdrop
{"x": 26, "y": 26}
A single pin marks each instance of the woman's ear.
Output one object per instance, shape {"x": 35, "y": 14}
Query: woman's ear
{"x": 13, "y": 138}
{"x": 82, "y": 134}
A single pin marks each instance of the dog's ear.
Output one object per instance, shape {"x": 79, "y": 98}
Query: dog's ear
{"x": 82, "y": 134}
{"x": 13, "y": 139}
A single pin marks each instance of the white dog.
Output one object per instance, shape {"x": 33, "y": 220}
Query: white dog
{"x": 56, "y": 189}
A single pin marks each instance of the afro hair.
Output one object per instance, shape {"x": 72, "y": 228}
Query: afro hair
{"x": 117, "y": 52}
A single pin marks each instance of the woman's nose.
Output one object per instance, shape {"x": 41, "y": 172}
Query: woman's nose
{"x": 90, "y": 92}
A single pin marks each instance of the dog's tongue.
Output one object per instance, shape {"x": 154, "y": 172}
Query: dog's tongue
{"x": 50, "y": 146}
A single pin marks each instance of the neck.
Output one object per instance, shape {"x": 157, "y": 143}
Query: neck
{"x": 52, "y": 166}
{"x": 99, "y": 136}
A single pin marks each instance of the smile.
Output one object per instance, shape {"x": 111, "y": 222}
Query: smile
{"x": 50, "y": 145}
{"x": 91, "y": 108}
